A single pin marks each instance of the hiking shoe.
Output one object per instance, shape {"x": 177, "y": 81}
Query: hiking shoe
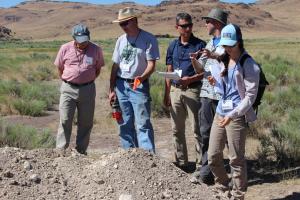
{"x": 196, "y": 178}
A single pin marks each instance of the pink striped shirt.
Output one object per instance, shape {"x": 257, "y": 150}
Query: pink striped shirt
{"x": 79, "y": 66}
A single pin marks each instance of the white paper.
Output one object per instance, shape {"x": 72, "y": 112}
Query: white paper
{"x": 215, "y": 71}
{"x": 176, "y": 75}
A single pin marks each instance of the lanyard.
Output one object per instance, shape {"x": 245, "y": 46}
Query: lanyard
{"x": 80, "y": 56}
{"x": 133, "y": 45}
{"x": 227, "y": 87}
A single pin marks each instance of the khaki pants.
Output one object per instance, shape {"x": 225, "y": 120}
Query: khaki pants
{"x": 235, "y": 133}
{"x": 82, "y": 98}
{"x": 185, "y": 104}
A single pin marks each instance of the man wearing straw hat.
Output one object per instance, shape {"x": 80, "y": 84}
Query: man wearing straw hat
{"x": 214, "y": 21}
{"x": 134, "y": 59}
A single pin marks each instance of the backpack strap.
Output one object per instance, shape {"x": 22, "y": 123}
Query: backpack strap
{"x": 242, "y": 61}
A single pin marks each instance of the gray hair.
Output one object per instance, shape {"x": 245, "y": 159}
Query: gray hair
{"x": 185, "y": 16}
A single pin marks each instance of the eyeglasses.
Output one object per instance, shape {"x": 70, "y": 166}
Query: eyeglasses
{"x": 124, "y": 23}
{"x": 184, "y": 26}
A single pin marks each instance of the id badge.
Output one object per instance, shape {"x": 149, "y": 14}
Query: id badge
{"x": 178, "y": 71}
{"x": 125, "y": 67}
{"x": 227, "y": 105}
{"x": 89, "y": 61}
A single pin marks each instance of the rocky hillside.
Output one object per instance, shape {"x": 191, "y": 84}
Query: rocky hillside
{"x": 5, "y": 33}
{"x": 53, "y": 20}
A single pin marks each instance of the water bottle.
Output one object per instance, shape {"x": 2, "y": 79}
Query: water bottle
{"x": 116, "y": 111}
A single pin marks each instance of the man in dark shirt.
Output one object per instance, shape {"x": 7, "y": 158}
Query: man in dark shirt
{"x": 183, "y": 95}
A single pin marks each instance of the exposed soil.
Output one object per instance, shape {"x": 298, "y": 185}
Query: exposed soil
{"x": 123, "y": 175}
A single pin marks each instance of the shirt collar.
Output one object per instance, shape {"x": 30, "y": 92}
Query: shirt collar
{"x": 191, "y": 40}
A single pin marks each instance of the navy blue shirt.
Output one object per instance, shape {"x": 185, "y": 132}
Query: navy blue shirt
{"x": 178, "y": 55}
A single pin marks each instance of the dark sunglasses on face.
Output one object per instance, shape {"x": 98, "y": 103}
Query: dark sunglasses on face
{"x": 184, "y": 26}
{"x": 124, "y": 23}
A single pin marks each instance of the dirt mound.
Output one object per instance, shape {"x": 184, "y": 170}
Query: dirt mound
{"x": 52, "y": 174}
{"x": 5, "y": 33}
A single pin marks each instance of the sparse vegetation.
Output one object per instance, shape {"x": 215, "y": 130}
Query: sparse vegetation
{"x": 31, "y": 63}
{"x": 279, "y": 115}
{"x": 25, "y": 137}
{"x": 24, "y": 69}
{"x": 27, "y": 98}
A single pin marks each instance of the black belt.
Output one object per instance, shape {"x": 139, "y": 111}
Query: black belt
{"x": 129, "y": 80}
{"x": 192, "y": 85}
{"x": 78, "y": 84}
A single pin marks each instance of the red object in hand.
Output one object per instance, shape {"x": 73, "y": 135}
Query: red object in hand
{"x": 116, "y": 111}
{"x": 117, "y": 115}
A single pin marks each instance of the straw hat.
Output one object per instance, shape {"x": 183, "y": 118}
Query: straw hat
{"x": 126, "y": 14}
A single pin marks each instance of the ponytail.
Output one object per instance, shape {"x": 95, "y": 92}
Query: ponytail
{"x": 225, "y": 60}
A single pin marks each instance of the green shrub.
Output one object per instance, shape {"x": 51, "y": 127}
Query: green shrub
{"x": 11, "y": 88}
{"x": 279, "y": 147}
{"x": 157, "y": 95}
{"x": 28, "y": 98}
{"x": 279, "y": 70}
{"x": 42, "y": 73}
{"x": 279, "y": 114}
{"x": 39, "y": 56}
{"x": 30, "y": 107}
{"x": 25, "y": 137}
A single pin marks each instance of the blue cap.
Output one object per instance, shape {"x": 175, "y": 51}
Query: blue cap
{"x": 230, "y": 35}
{"x": 80, "y": 33}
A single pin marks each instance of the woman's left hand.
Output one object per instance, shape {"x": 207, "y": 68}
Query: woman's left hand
{"x": 224, "y": 121}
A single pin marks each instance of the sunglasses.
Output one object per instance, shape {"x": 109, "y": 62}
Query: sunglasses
{"x": 184, "y": 26}
{"x": 124, "y": 23}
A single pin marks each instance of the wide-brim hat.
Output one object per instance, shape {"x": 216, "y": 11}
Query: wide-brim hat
{"x": 126, "y": 14}
{"x": 217, "y": 14}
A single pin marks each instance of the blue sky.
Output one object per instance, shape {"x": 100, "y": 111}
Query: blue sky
{"x": 9, "y": 3}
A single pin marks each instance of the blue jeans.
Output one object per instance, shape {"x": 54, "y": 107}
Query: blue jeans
{"x": 136, "y": 131}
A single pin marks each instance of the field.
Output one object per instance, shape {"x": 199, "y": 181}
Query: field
{"x": 29, "y": 86}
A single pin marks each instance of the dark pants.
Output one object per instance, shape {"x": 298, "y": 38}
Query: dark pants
{"x": 206, "y": 116}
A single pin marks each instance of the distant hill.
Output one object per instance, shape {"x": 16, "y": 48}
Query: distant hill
{"x": 48, "y": 20}
{"x": 285, "y": 12}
